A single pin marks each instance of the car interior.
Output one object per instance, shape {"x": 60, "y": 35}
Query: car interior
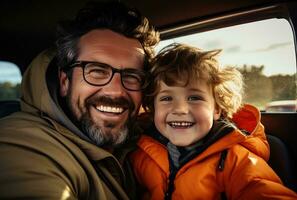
{"x": 28, "y": 27}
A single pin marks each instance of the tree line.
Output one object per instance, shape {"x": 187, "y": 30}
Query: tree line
{"x": 9, "y": 91}
{"x": 260, "y": 89}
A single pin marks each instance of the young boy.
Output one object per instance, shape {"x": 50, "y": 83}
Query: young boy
{"x": 205, "y": 144}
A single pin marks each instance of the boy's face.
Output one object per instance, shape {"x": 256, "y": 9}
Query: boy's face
{"x": 185, "y": 115}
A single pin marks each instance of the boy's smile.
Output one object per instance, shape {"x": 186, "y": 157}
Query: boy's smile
{"x": 185, "y": 115}
{"x": 180, "y": 124}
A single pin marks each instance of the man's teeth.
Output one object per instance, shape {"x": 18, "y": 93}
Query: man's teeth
{"x": 180, "y": 124}
{"x": 110, "y": 109}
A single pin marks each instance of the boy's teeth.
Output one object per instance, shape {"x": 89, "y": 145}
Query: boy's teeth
{"x": 180, "y": 124}
{"x": 110, "y": 109}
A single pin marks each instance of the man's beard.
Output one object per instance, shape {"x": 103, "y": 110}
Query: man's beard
{"x": 97, "y": 134}
{"x": 101, "y": 137}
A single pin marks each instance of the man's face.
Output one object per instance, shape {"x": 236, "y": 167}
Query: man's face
{"x": 102, "y": 112}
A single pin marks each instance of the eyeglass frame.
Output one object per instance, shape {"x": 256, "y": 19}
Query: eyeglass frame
{"x": 83, "y": 64}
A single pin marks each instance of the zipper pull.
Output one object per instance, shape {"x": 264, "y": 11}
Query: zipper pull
{"x": 222, "y": 160}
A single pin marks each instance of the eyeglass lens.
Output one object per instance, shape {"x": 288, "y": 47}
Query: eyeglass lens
{"x": 101, "y": 74}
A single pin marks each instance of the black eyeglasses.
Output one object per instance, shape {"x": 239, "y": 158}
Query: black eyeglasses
{"x": 100, "y": 74}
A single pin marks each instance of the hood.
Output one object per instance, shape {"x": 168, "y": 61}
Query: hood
{"x": 40, "y": 98}
{"x": 249, "y": 119}
{"x": 249, "y": 134}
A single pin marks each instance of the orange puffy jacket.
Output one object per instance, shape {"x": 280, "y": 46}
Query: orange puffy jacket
{"x": 245, "y": 175}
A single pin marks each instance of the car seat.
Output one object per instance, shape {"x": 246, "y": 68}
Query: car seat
{"x": 9, "y": 106}
{"x": 281, "y": 162}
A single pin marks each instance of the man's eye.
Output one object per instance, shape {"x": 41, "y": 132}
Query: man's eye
{"x": 132, "y": 79}
{"x": 96, "y": 71}
{"x": 99, "y": 73}
{"x": 166, "y": 98}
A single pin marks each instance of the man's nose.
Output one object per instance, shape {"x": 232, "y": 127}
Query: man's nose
{"x": 114, "y": 87}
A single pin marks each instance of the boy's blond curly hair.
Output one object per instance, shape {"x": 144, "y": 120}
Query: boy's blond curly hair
{"x": 180, "y": 64}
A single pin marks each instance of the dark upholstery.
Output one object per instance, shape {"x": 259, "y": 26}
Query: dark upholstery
{"x": 281, "y": 162}
{"x": 9, "y": 106}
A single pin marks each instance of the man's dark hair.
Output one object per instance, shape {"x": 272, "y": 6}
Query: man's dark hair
{"x": 112, "y": 15}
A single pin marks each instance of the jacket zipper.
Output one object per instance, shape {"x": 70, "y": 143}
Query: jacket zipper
{"x": 173, "y": 171}
{"x": 170, "y": 188}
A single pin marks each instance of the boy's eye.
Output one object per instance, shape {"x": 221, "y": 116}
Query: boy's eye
{"x": 166, "y": 98}
{"x": 194, "y": 98}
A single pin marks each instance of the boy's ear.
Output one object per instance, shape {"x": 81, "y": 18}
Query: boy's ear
{"x": 217, "y": 112}
{"x": 64, "y": 83}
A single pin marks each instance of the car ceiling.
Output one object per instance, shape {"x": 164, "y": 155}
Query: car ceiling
{"x": 28, "y": 27}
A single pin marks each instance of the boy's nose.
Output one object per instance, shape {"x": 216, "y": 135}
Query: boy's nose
{"x": 180, "y": 107}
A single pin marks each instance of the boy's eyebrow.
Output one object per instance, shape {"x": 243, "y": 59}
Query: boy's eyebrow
{"x": 197, "y": 90}
{"x": 164, "y": 91}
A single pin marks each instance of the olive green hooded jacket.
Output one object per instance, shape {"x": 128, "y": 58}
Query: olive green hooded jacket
{"x": 44, "y": 156}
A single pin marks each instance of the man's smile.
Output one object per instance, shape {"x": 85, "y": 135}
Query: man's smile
{"x": 111, "y": 109}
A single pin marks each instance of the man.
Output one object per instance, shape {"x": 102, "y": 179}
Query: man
{"x": 74, "y": 130}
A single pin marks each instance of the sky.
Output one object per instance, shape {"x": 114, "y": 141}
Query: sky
{"x": 9, "y": 72}
{"x": 269, "y": 43}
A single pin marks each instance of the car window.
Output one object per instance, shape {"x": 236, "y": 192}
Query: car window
{"x": 10, "y": 79}
{"x": 263, "y": 51}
